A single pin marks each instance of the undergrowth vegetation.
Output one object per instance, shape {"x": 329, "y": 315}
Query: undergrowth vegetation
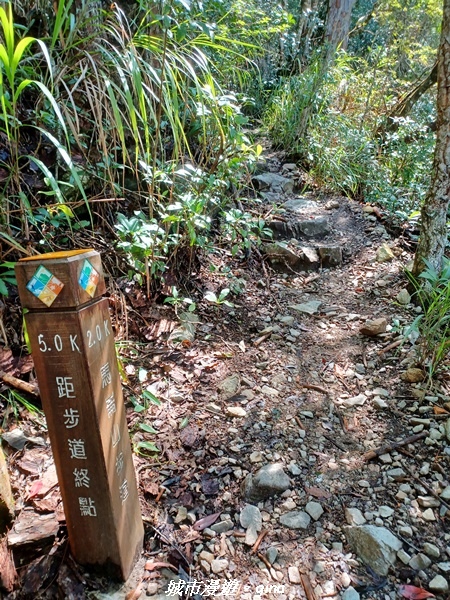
{"x": 332, "y": 121}
{"x": 132, "y": 120}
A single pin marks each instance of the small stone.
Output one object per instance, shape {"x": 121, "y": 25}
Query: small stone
{"x": 295, "y": 469}
{"x": 403, "y": 556}
{"x": 438, "y": 584}
{"x": 296, "y": 520}
{"x": 269, "y": 391}
{"x": 181, "y": 514}
{"x": 447, "y": 429}
{"x": 331, "y": 204}
{"x": 396, "y": 474}
{"x": 354, "y": 516}
{"x": 268, "y": 481}
{"x": 403, "y": 297}
{"x": 319, "y": 567}
{"x": 289, "y": 505}
{"x": 384, "y": 253}
{"x": 152, "y": 588}
{"x": 375, "y": 546}
{"x": 315, "y": 510}
{"x": 350, "y": 594}
{"x": 405, "y": 531}
{"x": 373, "y": 327}
{"x": 235, "y": 411}
{"x": 223, "y": 526}
{"x": 445, "y": 494}
{"x": 328, "y": 588}
{"x": 428, "y": 515}
{"x": 428, "y": 501}
{"x": 272, "y": 554}
{"x": 386, "y": 511}
{"x": 431, "y": 550}
{"x": 386, "y": 459}
{"x": 294, "y": 575}
{"x": 307, "y": 307}
{"x": 256, "y": 457}
{"x": 444, "y": 567}
{"x": 230, "y": 386}
{"x": 287, "y": 320}
{"x": 251, "y": 520}
{"x": 380, "y": 403}
{"x": 218, "y": 565}
{"x": 413, "y": 375}
{"x": 207, "y": 556}
{"x": 419, "y": 562}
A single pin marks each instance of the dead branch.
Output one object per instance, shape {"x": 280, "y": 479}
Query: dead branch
{"x": 19, "y": 384}
{"x": 256, "y": 545}
{"x": 394, "y": 445}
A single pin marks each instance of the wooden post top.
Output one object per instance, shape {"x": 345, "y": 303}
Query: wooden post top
{"x": 60, "y": 280}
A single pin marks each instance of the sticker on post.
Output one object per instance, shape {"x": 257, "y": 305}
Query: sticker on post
{"x": 88, "y": 279}
{"x": 45, "y": 286}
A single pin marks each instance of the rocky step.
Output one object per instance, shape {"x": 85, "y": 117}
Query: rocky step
{"x": 287, "y": 258}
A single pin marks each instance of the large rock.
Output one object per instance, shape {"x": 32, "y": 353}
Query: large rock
{"x": 273, "y": 182}
{"x": 283, "y": 258}
{"x": 314, "y": 228}
{"x": 269, "y": 481}
{"x": 300, "y": 205}
{"x": 375, "y": 546}
{"x": 281, "y": 255}
{"x": 330, "y": 256}
{"x": 6, "y": 497}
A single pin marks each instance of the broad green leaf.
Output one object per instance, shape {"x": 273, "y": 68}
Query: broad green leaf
{"x": 147, "y": 428}
{"x": 184, "y": 423}
{"x": 151, "y": 397}
{"x": 147, "y": 446}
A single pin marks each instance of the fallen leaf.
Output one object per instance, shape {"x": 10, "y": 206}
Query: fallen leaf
{"x": 438, "y": 410}
{"x": 35, "y": 489}
{"x": 151, "y": 488}
{"x": 151, "y": 566}
{"x": 414, "y": 593}
{"x": 317, "y": 492}
{"x": 206, "y": 521}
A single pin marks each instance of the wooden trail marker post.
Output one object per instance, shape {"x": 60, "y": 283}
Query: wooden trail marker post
{"x": 74, "y": 356}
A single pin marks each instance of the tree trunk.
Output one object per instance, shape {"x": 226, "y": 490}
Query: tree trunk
{"x": 337, "y": 25}
{"x": 433, "y": 236}
{"x": 405, "y": 104}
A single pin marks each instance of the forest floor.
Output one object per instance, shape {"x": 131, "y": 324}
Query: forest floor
{"x": 284, "y": 377}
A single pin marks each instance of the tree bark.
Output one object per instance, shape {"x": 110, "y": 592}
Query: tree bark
{"x": 338, "y": 25}
{"x": 433, "y": 235}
